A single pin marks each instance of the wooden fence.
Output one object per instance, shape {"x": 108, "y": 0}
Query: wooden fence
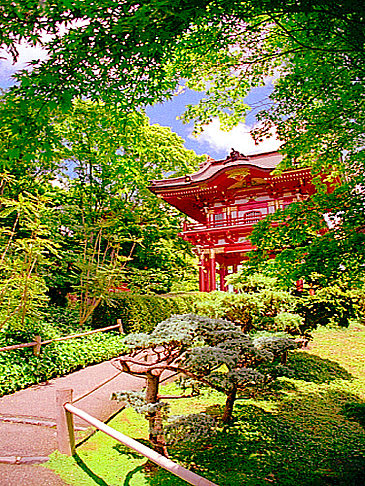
{"x": 66, "y": 439}
{"x": 37, "y": 343}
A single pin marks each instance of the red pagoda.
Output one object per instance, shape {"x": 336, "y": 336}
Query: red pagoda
{"x": 224, "y": 200}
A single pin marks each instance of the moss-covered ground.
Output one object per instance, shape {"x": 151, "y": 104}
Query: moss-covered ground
{"x": 305, "y": 432}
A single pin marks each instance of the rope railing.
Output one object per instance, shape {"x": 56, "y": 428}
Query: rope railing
{"x": 37, "y": 343}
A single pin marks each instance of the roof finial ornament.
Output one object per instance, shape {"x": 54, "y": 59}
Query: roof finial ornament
{"x": 235, "y": 155}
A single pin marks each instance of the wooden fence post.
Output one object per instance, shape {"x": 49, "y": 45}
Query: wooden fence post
{"x": 37, "y": 346}
{"x": 65, "y": 423}
{"x": 120, "y": 323}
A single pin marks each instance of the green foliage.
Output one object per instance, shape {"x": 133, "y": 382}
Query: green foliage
{"x": 355, "y": 411}
{"x": 331, "y": 305}
{"x": 256, "y": 310}
{"x": 138, "y": 402}
{"x": 214, "y": 352}
{"x": 252, "y": 282}
{"x": 153, "y": 281}
{"x": 20, "y": 368}
{"x": 315, "y": 51}
{"x": 262, "y": 305}
{"x": 189, "y": 428}
{"x": 288, "y": 322}
{"x": 319, "y": 240}
{"x": 118, "y": 233}
{"x": 26, "y": 251}
{"x": 309, "y": 367}
{"x": 141, "y": 313}
{"x": 270, "y": 310}
{"x": 77, "y": 235}
{"x": 311, "y": 51}
{"x": 294, "y": 434}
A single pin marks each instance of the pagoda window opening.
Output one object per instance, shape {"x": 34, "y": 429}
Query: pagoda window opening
{"x": 252, "y": 217}
{"x": 219, "y": 219}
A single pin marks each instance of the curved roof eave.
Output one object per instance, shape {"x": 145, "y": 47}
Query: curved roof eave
{"x": 265, "y": 162}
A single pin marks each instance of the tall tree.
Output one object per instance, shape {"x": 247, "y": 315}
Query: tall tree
{"x": 108, "y": 217}
{"x": 136, "y": 54}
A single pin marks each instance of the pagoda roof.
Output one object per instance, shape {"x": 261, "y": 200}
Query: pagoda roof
{"x": 225, "y": 179}
{"x": 266, "y": 161}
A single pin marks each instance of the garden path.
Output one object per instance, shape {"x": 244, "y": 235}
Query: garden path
{"x": 27, "y": 420}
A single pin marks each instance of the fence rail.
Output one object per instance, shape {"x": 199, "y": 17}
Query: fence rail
{"x": 37, "y": 343}
{"x": 66, "y": 439}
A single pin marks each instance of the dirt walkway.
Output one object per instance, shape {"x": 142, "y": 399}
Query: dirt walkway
{"x": 27, "y": 421}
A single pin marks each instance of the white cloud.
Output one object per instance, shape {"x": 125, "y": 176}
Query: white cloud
{"x": 238, "y": 138}
{"x": 27, "y": 53}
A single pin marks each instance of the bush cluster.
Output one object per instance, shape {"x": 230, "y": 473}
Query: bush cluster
{"x": 280, "y": 311}
{"x": 141, "y": 313}
{"x": 263, "y": 309}
{"x": 269, "y": 310}
{"x": 20, "y": 368}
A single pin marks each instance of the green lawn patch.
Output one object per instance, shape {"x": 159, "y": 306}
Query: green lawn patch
{"x": 305, "y": 431}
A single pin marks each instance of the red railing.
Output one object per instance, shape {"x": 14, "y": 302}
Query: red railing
{"x": 224, "y": 223}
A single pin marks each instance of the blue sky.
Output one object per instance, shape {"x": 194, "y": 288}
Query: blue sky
{"x": 213, "y": 141}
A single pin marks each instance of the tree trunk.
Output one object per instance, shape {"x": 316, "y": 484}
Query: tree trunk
{"x": 152, "y": 382}
{"x": 284, "y": 358}
{"x": 228, "y": 409}
{"x": 154, "y": 419}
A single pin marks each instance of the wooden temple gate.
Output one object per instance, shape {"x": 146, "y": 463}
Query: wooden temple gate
{"x": 224, "y": 200}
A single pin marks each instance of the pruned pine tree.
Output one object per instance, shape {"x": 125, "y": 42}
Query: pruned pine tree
{"x": 214, "y": 352}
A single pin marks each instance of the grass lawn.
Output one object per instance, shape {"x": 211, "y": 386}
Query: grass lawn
{"x": 305, "y": 432}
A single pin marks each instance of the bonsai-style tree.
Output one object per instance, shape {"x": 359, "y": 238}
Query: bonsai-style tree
{"x": 214, "y": 352}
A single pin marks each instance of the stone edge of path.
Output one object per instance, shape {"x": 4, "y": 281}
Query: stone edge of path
{"x": 23, "y": 459}
{"x": 35, "y": 421}
{"x": 33, "y": 460}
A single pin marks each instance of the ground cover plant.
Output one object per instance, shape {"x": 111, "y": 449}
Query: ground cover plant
{"x": 21, "y": 368}
{"x": 299, "y": 432}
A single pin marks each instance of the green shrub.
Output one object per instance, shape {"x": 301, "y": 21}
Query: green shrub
{"x": 20, "y": 368}
{"x": 329, "y": 305}
{"x": 251, "y": 310}
{"x": 141, "y": 313}
{"x": 355, "y": 411}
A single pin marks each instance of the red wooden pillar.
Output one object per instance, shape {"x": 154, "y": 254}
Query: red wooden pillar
{"x": 201, "y": 274}
{"x": 206, "y": 274}
{"x": 212, "y": 277}
{"x": 223, "y": 272}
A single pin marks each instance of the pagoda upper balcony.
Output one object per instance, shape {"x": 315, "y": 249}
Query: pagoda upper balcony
{"x": 246, "y": 221}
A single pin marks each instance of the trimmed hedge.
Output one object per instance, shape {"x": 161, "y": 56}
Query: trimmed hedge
{"x": 141, "y": 313}
{"x": 270, "y": 310}
{"x": 254, "y": 311}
